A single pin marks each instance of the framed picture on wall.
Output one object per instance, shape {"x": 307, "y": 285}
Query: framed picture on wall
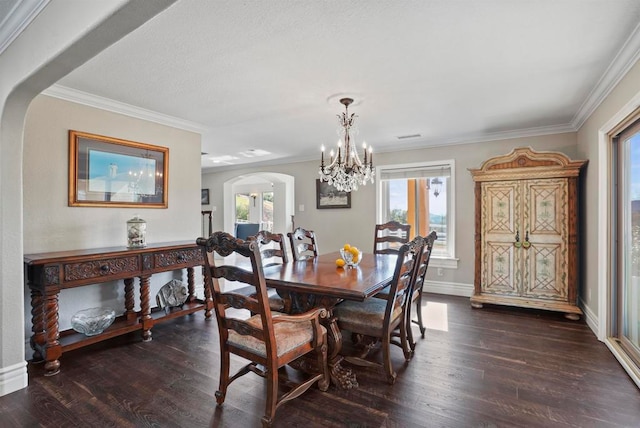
{"x": 110, "y": 172}
{"x": 204, "y": 197}
{"x": 328, "y": 196}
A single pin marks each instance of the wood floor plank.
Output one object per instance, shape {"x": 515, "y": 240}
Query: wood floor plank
{"x": 490, "y": 367}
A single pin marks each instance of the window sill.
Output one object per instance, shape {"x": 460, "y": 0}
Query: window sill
{"x": 443, "y": 262}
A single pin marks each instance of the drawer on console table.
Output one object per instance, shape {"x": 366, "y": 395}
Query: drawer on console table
{"x": 172, "y": 259}
{"x": 83, "y": 272}
{"x": 103, "y": 268}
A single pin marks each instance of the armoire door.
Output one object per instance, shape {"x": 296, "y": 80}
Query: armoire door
{"x": 545, "y": 262}
{"x": 501, "y": 214}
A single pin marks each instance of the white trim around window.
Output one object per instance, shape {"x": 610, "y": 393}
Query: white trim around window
{"x": 422, "y": 170}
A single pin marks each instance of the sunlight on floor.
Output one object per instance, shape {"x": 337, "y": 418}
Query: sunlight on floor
{"x": 435, "y": 316}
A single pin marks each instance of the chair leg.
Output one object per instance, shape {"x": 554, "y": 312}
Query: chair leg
{"x": 419, "y": 310}
{"x": 405, "y": 336}
{"x": 409, "y": 332}
{"x": 386, "y": 357}
{"x": 224, "y": 377}
{"x": 272, "y": 396}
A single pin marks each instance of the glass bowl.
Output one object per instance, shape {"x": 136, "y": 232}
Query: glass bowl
{"x": 347, "y": 256}
{"x": 92, "y": 321}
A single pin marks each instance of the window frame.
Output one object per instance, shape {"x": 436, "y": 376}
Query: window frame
{"x": 437, "y": 260}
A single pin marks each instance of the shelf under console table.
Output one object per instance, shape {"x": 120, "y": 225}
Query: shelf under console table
{"x": 48, "y": 273}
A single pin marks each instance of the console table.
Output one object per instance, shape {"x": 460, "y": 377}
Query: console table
{"x": 48, "y": 273}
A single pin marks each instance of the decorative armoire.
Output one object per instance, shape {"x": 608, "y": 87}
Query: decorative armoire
{"x": 526, "y": 231}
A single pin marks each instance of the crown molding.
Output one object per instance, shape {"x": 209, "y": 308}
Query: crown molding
{"x": 18, "y": 19}
{"x": 619, "y": 67}
{"x": 483, "y": 137}
{"x": 455, "y": 141}
{"x": 90, "y": 100}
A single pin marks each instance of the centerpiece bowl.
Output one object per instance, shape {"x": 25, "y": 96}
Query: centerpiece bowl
{"x": 351, "y": 258}
{"x": 92, "y": 321}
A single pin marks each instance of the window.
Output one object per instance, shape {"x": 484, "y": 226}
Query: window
{"x": 625, "y": 208}
{"x": 267, "y": 211}
{"x": 242, "y": 207}
{"x": 422, "y": 196}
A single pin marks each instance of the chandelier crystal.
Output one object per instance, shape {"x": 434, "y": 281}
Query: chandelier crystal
{"x": 346, "y": 171}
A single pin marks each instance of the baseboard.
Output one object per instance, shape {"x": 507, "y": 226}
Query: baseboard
{"x": 450, "y": 288}
{"x": 13, "y": 378}
{"x": 590, "y": 318}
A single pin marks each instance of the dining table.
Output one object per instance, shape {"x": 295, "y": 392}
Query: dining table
{"x": 319, "y": 282}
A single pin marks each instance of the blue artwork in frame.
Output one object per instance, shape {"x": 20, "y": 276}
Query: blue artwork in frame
{"x": 106, "y": 171}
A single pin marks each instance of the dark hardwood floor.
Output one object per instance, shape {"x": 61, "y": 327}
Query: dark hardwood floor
{"x": 491, "y": 367}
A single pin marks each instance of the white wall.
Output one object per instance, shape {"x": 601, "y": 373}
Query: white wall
{"x": 595, "y": 194}
{"x": 334, "y": 227}
{"x": 50, "y": 46}
{"x": 51, "y": 225}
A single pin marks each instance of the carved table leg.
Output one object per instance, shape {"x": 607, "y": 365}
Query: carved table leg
{"x": 129, "y": 302}
{"x": 145, "y": 309}
{"x": 53, "y": 350}
{"x": 342, "y": 377}
{"x": 38, "y": 338}
{"x": 191, "y": 285}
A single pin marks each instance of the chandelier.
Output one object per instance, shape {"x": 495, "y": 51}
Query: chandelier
{"x": 346, "y": 171}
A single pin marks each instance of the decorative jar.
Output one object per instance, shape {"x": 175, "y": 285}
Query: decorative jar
{"x": 92, "y": 321}
{"x": 136, "y": 233}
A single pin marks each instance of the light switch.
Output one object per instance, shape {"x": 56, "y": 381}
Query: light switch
{"x": 301, "y": 208}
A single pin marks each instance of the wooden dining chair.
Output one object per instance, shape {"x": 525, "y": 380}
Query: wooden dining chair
{"x": 303, "y": 244}
{"x": 379, "y": 318}
{"x": 269, "y": 340}
{"x": 390, "y": 236}
{"x": 273, "y": 251}
{"x": 418, "y": 285}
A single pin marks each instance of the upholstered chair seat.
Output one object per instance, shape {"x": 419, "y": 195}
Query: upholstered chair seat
{"x": 289, "y": 335}
{"x": 364, "y": 317}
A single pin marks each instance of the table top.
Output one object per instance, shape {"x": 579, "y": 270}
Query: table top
{"x": 320, "y": 275}
{"x": 56, "y": 256}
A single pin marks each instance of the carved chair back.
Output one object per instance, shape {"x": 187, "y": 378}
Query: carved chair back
{"x": 389, "y": 236}
{"x": 303, "y": 244}
{"x": 272, "y": 247}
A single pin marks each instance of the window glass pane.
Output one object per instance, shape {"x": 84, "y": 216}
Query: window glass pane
{"x": 267, "y": 211}
{"x": 630, "y": 292}
{"x": 438, "y": 213}
{"x": 242, "y": 207}
{"x": 397, "y": 201}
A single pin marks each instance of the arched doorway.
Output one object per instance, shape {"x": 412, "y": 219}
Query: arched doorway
{"x": 257, "y": 184}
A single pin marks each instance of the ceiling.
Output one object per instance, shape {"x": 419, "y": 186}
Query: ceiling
{"x": 261, "y": 79}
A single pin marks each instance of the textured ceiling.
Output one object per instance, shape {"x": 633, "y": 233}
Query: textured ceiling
{"x": 265, "y": 76}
